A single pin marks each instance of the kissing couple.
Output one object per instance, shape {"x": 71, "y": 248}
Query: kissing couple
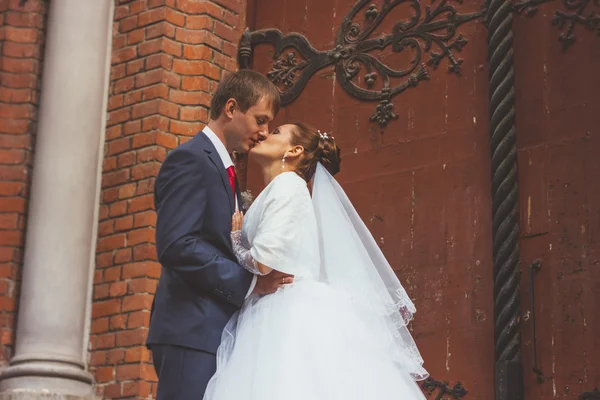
{"x": 291, "y": 299}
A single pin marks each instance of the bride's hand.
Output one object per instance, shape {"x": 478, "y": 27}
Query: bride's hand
{"x": 237, "y": 221}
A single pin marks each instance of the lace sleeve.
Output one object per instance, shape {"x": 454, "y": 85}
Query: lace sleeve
{"x": 242, "y": 254}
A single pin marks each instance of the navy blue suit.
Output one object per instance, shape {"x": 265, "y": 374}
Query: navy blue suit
{"x": 201, "y": 284}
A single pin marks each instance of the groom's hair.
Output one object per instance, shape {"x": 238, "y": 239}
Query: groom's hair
{"x": 247, "y": 88}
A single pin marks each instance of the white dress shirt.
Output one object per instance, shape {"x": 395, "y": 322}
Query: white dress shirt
{"x": 227, "y": 162}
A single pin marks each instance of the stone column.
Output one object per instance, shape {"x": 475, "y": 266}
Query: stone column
{"x": 51, "y": 336}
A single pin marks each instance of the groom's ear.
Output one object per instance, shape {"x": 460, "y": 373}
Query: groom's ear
{"x": 230, "y": 107}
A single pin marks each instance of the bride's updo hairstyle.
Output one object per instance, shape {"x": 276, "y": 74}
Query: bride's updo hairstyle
{"x": 318, "y": 147}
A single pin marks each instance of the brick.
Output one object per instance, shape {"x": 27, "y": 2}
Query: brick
{"x": 159, "y": 91}
{"x": 104, "y": 308}
{"x": 197, "y": 52}
{"x": 189, "y": 98}
{"x": 13, "y": 126}
{"x": 154, "y": 153}
{"x": 137, "y": 302}
{"x": 230, "y": 49}
{"x": 197, "y": 114}
{"x": 225, "y": 32}
{"x": 119, "y": 146}
{"x": 124, "y": 255}
{"x": 18, "y": 80}
{"x": 101, "y": 291}
{"x": 150, "y": 47}
{"x": 145, "y": 170}
{"x": 117, "y": 289}
{"x": 115, "y": 102}
{"x": 168, "y": 109}
{"x": 129, "y": 372}
{"x": 135, "y": 66}
{"x": 142, "y": 235}
{"x": 107, "y": 340}
{"x": 151, "y": 16}
{"x": 104, "y": 374}
{"x": 24, "y": 19}
{"x": 11, "y": 238}
{"x": 131, "y": 338}
{"x": 171, "y": 79}
{"x": 155, "y": 122}
{"x": 126, "y": 159}
{"x": 115, "y": 355}
{"x": 136, "y": 36}
{"x": 17, "y": 111}
{"x": 189, "y": 83}
{"x": 199, "y": 22}
{"x": 142, "y": 285}
{"x": 97, "y": 357}
{"x": 117, "y": 209}
{"x": 19, "y": 65}
{"x": 127, "y": 191}
{"x": 106, "y": 228}
{"x": 123, "y": 55}
{"x": 137, "y": 7}
{"x": 115, "y": 178}
{"x": 233, "y": 5}
{"x": 144, "y": 109}
{"x": 145, "y": 251}
{"x": 124, "y": 85}
{"x": 116, "y": 72}
{"x": 121, "y": 12}
{"x": 146, "y": 186}
{"x": 109, "y": 164}
{"x": 20, "y": 35}
{"x": 133, "y": 97}
{"x": 104, "y": 260}
{"x": 185, "y": 128}
{"x": 194, "y": 37}
{"x": 128, "y": 24}
{"x": 111, "y": 242}
{"x": 145, "y": 268}
{"x": 138, "y": 388}
{"x": 20, "y": 50}
{"x": 132, "y": 127}
{"x": 118, "y": 321}
{"x": 160, "y": 29}
{"x": 143, "y": 139}
{"x": 99, "y": 325}
{"x": 119, "y": 41}
{"x": 192, "y": 7}
{"x": 111, "y": 391}
{"x": 11, "y": 188}
{"x": 175, "y": 17}
{"x": 231, "y": 19}
{"x": 171, "y": 47}
{"x": 9, "y": 221}
{"x": 148, "y": 78}
{"x": 227, "y": 63}
{"x": 12, "y": 156}
{"x": 139, "y": 319}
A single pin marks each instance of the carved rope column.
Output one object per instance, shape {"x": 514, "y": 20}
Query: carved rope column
{"x": 52, "y": 325}
{"x": 505, "y": 203}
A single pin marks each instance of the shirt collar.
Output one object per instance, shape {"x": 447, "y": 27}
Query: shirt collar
{"x": 221, "y": 150}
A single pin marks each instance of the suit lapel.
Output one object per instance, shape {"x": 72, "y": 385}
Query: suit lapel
{"x": 216, "y": 160}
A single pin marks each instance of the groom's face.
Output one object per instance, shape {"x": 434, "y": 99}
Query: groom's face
{"x": 251, "y": 127}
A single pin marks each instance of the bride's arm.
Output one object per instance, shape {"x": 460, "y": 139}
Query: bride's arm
{"x": 242, "y": 254}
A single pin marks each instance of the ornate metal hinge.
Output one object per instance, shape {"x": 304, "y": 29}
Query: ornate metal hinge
{"x": 593, "y": 395}
{"x": 430, "y": 34}
{"x": 430, "y": 385}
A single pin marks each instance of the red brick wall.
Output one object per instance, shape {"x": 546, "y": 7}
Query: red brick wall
{"x": 21, "y": 45}
{"x": 168, "y": 56}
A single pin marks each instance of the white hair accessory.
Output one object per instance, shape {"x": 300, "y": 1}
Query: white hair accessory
{"x": 324, "y": 135}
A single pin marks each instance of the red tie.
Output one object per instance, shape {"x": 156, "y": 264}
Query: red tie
{"x": 231, "y": 174}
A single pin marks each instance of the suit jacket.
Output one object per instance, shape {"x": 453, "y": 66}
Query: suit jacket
{"x": 201, "y": 284}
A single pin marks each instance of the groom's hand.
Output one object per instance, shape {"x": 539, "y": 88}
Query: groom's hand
{"x": 267, "y": 284}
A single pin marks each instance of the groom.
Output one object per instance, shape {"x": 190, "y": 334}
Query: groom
{"x": 196, "y": 193}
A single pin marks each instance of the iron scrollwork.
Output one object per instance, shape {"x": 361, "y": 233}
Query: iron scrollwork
{"x": 593, "y": 395}
{"x": 575, "y": 13}
{"x": 430, "y": 385}
{"x": 431, "y": 33}
{"x": 431, "y": 30}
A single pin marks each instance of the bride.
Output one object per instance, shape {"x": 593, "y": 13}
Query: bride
{"x": 340, "y": 330}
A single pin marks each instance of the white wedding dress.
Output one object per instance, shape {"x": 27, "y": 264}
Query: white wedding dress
{"x": 313, "y": 339}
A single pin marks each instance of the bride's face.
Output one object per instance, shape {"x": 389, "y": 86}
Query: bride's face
{"x": 274, "y": 146}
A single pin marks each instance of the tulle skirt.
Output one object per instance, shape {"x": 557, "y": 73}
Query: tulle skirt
{"x": 304, "y": 342}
